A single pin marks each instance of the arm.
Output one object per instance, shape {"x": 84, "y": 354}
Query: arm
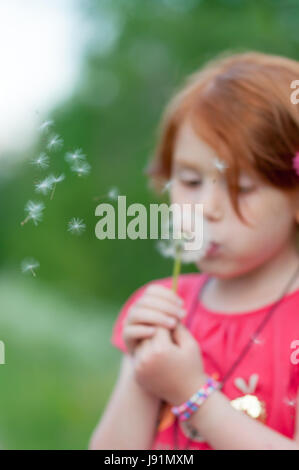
{"x": 129, "y": 420}
{"x": 226, "y": 428}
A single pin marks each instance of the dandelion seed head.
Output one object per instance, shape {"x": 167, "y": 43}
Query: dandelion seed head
{"x": 290, "y": 402}
{"x": 45, "y": 126}
{"x": 34, "y": 210}
{"x": 180, "y": 239}
{"x": 170, "y": 249}
{"x": 113, "y": 193}
{"x": 75, "y": 156}
{"x": 257, "y": 340}
{"x": 33, "y": 207}
{"x": 55, "y": 142}
{"x": 81, "y": 168}
{"x": 167, "y": 186}
{"x": 57, "y": 179}
{"x": 220, "y": 164}
{"x": 29, "y": 265}
{"x": 36, "y": 217}
{"x": 42, "y": 161}
{"x": 76, "y": 226}
{"x": 44, "y": 186}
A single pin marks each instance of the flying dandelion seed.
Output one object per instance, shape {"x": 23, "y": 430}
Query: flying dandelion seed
{"x": 54, "y": 180}
{"x": 290, "y": 402}
{"x": 42, "y": 161}
{"x": 55, "y": 142}
{"x": 167, "y": 186}
{"x": 29, "y": 265}
{"x": 34, "y": 210}
{"x": 76, "y": 156}
{"x": 220, "y": 164}
{"x": 45, "y": 126}
{"x": 76, "y": 226}
{"x": 112, "y": 194}
{"x": 81, "y": 168}
{"x": 44, "y": 186}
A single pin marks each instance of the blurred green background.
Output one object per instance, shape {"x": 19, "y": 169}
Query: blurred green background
{"x": 60, "y": 366}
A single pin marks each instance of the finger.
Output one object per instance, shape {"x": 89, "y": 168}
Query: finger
{"x": 150, "y": 316}
{"x": 161, "y": 304}
{"x": 135, "y": 332}
{"x": 162, "y": 335}
{"x": 166, "y": 293}
{"x": 141, "y": 346}
{"x": 182, "y": 335}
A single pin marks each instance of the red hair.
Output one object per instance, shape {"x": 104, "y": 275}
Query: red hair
{"x": 239, "y": 105}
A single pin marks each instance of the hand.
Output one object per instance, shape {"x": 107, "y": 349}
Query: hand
{"x": 173, "y": 371}
{"x": 159, "y": 306}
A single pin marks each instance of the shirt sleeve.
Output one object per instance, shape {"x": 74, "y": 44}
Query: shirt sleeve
{"x": 116, "y": 338}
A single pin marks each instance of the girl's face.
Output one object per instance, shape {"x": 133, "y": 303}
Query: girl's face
{"x": 269, "y": 211}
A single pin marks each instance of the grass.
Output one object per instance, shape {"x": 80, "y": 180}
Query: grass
{"x": 60, "y": 366}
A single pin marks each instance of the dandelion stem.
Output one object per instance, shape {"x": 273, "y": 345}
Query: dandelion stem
{"x": 25, "y": 220}
{"x": 53, "y": 190}
{"x": 176, "y": 269}
{"x": 33, "y": 272}
{"x": 103, "y": 197}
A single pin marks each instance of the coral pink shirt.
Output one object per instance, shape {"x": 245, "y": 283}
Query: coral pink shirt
{"x": 269, "y": 370}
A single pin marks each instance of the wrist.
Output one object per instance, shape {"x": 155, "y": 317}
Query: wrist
{"x": 203, "y": 412}
{"x": 189, "y": 388}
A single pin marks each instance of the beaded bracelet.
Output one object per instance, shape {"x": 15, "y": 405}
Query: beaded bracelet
{"x": 185, "y": 410}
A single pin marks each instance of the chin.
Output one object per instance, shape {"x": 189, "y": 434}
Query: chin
{"x": 218, "y": 271}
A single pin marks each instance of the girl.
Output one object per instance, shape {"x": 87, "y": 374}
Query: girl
{"x": 240, "y": 321}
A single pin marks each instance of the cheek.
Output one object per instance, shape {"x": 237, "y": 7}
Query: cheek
{"x": 177, "y": 194}
{"x": 265, "y": 207}
{"x": 268, "y": 213}
{"x": 174, "y": 193}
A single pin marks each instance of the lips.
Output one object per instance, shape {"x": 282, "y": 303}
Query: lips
{"x": 213, "y": 248}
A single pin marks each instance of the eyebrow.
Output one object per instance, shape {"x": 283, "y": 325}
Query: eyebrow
{"x": 188, "y": 165}
{"x": 177, "y": 164}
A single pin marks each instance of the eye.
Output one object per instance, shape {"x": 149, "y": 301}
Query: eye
{"x": 246, "y": 189}
{"x": 191, "y": 183}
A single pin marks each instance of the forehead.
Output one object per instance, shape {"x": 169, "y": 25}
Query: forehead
{"x": 188, "y": 143}
{"x": 191, "y": 150}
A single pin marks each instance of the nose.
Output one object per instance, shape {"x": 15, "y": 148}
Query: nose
{"x": 212, "y": 198}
